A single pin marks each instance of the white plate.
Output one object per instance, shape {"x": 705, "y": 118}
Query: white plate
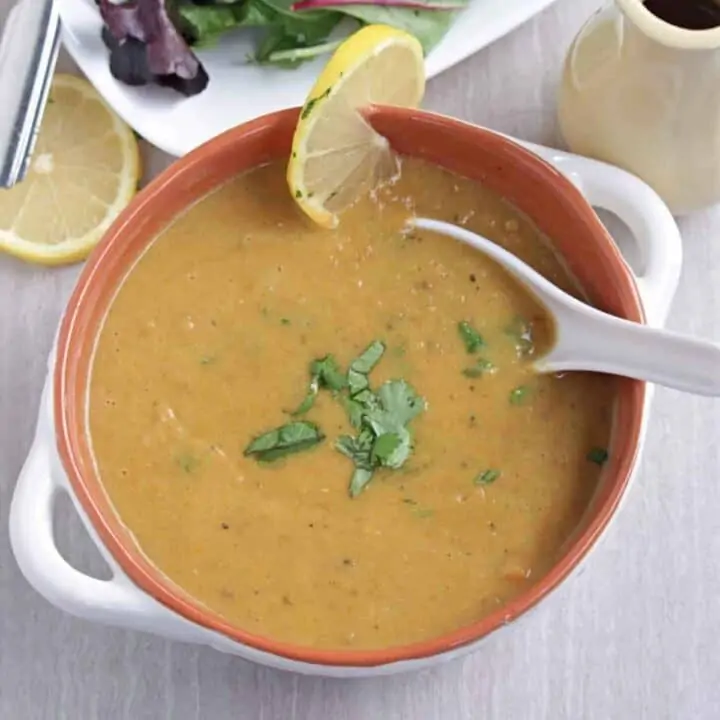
{"x": 237, "y": 91}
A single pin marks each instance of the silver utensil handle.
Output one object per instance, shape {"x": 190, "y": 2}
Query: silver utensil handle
{"x": 28, "y": 53}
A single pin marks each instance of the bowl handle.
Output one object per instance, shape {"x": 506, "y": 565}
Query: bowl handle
{"x": 642, "y": 210}
{"x": 113, "y": 602}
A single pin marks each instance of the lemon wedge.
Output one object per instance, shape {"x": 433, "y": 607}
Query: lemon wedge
{"x": 336, "y": 155}
{"x": 84, "y": 170}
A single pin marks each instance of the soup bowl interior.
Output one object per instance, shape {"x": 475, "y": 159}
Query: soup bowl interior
{"x": 533, "y": 186}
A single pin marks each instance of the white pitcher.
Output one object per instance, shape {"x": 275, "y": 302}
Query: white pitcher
{"x": 643, "y": 94}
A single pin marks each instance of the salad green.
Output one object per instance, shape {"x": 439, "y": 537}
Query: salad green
{"x": 153, "y": 41}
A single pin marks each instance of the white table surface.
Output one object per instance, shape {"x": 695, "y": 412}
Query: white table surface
{"x": 635, "y": 636}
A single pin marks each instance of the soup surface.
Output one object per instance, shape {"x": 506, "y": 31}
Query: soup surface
{"x": 475, "y": 470}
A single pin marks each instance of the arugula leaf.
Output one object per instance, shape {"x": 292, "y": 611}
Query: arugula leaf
{"x": 290, "y": 39}
{"x": 487, "y": 477}
{"x": 428, "y": 26}
{"x": 274, "y": 46}
{"x": 291, "y": 438}
{"x": 290, "y": 56}
{"x": 204, "y": 24}
{"x": 470, "y": 336}
{"x": 308, "y": 27}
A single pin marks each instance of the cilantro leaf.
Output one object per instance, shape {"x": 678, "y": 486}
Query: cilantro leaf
{"x": 384, "y": 446}
{"x": 391, "y": 450}
{"x": 369, "y": 358}
{"x": 487, "y": 477}
{"x": 324, "y": 373}
{"x": 354, "y": 410}
{"x": 309, "y": 400}
{"x": 328, "y": 373}
{"x": 519, "y": 394}
{"x": 357, "y": 381}
{"x": 358, "y": 449}
{"x": 471, "y": 338}
{"x": 400, "y": 402}
{"x": 285, "y": 440}
{"x": 361, "y": 366}
{"x": 598, "y": 456}
{"x": 359, "y": 481}
{"x": 480, "y": 368}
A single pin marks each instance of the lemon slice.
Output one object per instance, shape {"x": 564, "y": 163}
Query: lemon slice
{"x": 336, "y": 155}
{"x": 84, "y": 170}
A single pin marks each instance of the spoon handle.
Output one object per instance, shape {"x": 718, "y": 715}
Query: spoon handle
{"x": 602, "y": 343}
{"x": 588, "y": 339}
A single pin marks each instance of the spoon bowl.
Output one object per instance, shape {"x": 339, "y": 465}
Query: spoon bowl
{"x": 588, "y": 339}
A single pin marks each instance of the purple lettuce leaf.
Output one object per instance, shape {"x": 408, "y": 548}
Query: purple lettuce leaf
{"x": 146, "y": 47}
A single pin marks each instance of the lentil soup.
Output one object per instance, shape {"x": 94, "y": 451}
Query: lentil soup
{"x": 335, "y": 438}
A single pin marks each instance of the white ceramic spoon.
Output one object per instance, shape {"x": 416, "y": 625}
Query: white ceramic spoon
{"x": 588, "y": 339}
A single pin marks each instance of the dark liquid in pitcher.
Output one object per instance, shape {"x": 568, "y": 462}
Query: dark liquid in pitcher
{"x": 688, "y": 14}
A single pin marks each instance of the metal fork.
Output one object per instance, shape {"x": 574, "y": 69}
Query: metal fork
{"x": 28, "y": 53}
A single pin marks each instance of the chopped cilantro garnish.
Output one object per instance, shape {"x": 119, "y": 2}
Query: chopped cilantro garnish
{"x": 597, "y": 455}
{"x": 471, "y": 338}
{"x": 480, "y": 368}
{"x": 487, "y": 477}
{"x": 325, "y": 373}
{"x": 519, "y": 394}
{"x": 285, "y": 440}
{"x": 189, "y": 463}
{"x": 382, "y": 418}
{"x": 361, "y": 367}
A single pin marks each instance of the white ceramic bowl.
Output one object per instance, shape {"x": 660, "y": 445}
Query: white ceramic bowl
{"x": 120, "y": 602}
